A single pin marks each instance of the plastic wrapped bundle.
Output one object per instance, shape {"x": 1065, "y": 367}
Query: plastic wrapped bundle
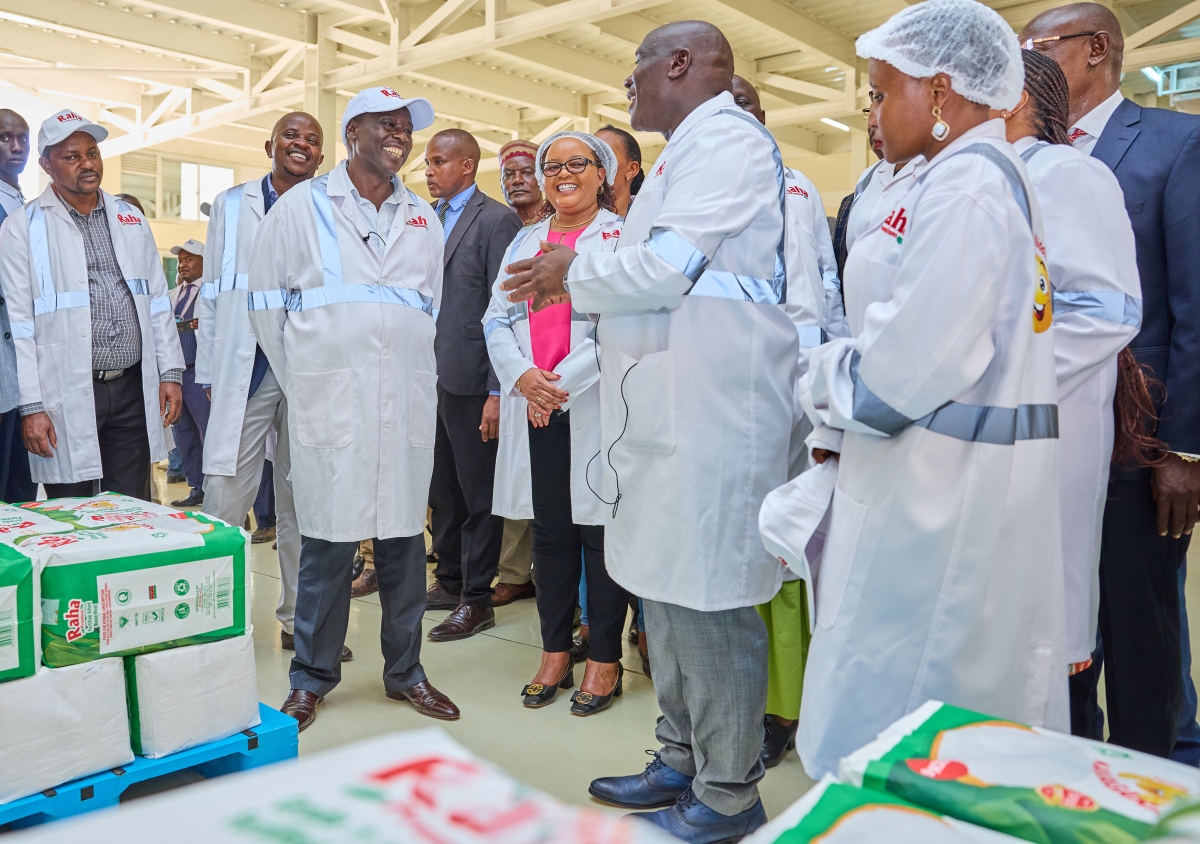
{"x": 834, "y": 813}
{"x": 122, "y": 577}
{"x": 185, "y": 697}
{"x": 1028, "y": 782}
{"x": 62, "y": 724}
{"x": 20, "y": 619}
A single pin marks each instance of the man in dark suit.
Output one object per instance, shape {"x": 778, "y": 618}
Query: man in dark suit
{"x": 1148, "y": 520}
{"x": 192, "y": 426}
{"x": 466, "y": 535}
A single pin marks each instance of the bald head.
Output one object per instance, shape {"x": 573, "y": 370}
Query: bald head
{"x": 1086, "y": 41}
{"x": 745, "y": 96}
{"x": 14, "y": 145}
{"x": 679, "y": 66}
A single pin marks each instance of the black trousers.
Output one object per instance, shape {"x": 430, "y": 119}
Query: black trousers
{"x": 16, "y": 483}
{"x": 1141, "y": 651}
{"x": 560, "y": 547}
{"x": 124, "y": 444}
{"x": 466, "y": 536}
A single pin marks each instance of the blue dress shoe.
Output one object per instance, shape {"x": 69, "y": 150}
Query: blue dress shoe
{"x": 693, "y": 822}
{"x": 658, "y": 785}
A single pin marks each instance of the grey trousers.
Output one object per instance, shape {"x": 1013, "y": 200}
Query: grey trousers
{"x": 516, "y": 552}
{"x": 323, "y": 611}
{"x": 710, "y": 674}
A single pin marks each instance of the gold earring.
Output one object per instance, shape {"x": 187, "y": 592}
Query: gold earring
{"x": 941, "y": 129}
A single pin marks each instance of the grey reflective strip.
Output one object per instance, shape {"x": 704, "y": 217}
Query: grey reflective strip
{"x": 995, "y": 425}
{"x": 518, "y": 312}
{"x": 724, "y": 285}
{"x": 678, "y": 253}
{"x": 967, "y": 422}
{"x": 1111, "y": 305}
{"x": 233, "y": 209}
{"x": 810, "y": 335}
{"x": 208, "y": 290}
{"x": 160, "y": 304}
{"x": 865, "y": 182}
{"x": 264, "y": 300}
{"x": 489, "y": 327}
{"x": 138, "y": 286}
{"x": 381, "y": 294}
{"x": 21, "y": 330}
{"x": 1010, "y": 173}
{"x": 1033, "y": 150}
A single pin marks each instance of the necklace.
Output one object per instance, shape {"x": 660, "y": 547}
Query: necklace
{"x": 554, "y": 221}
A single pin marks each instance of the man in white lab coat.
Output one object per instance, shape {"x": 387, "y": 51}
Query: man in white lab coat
{"x": 98, "y": 356}
{"x": 345, "y": 282}
{"x": 247, "y": 397}
{"x": 697, "y": 348}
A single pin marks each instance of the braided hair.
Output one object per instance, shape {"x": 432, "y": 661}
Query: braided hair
{"x": 1049, "y": 96}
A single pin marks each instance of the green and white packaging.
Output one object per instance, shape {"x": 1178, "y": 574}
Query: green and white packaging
{"x": 20, "y": 619}
{"x": 121, "y": 577}
{"x": 403, "y": 788}
{"x": 1025, "y": 781}
{"x": 835, "y": 813}
{"x": 62, "y": 724}
{"x": 184, "y": 697}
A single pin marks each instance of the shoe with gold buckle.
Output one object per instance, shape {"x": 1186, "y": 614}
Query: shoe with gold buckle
{"x": 585, "y": 703}
{"x": 537, "y": 695}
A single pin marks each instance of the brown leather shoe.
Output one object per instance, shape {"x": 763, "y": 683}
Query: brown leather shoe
{"x": 505, "y": 593}
{"x": 438, "y": 598}
{"x": 302, "y": 706}
{"x": 428, "y": 701}
{"x": 287, "y": 641}
{"x": 365, "y": 584}
{"x": 463, "y": 623}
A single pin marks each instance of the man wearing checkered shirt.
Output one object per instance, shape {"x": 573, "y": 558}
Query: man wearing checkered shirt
{"x": 91, "y": 323}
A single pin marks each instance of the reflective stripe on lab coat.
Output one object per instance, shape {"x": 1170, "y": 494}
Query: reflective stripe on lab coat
{"x": 506, "y": 327}
{"x": 707, "y": 380}
{"x": 43, "y": 268}
{"x": 224, "y": 340}
{"x": 814, "y": 300}
{"x": 350, "y": 337}
{"x": 1092, "y": 259}
{"x": 941, "y": 576}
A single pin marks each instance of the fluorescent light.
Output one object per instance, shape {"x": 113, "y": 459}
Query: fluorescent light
{"x": 1152, "y": 74}
{"x": 830, "y": 69}
{"x": 830, "y": 122}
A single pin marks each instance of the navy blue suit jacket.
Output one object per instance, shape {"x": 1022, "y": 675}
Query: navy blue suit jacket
{"x": 1155, "y": 155}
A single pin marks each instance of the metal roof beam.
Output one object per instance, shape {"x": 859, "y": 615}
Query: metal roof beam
{"x": 436, "y": 23}
{"x": 51, "y": 47}
{"x": 1173, "y": 52}
{"x": 260, "y": 20}
{"x": 1163, "y": 25}
{"x": 805, "y": 32}
{"x": 559, "y": 58}
{"x": 501, "y": 86}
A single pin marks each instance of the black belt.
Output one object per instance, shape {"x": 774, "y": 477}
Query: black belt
{"x": 108, "y": 374}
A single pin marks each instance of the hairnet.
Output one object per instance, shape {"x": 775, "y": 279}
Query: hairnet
{"x": 964, "y": 39}
{"x": 604, "y": 154}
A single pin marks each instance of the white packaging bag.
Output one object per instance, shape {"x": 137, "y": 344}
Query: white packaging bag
{"x": 417, "y": 787}
{"x": 62, "y": 724}
{"x": 185, "y": 697}
{"x": 833, "y": 813}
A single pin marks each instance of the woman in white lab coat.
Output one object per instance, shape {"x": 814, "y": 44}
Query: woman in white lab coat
{"x": 942, "y": 570}
{"x": 1092, "y": 260}
{"x": 549, "y": 367}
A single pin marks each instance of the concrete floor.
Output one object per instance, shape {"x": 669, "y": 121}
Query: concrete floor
{"x": 547, "y": 748}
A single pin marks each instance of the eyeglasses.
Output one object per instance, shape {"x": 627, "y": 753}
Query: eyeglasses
{"x": 1035, "y": 43}
{"x": 574, "y": 166}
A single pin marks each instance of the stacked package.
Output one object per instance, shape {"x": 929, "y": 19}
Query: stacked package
{"x": 1028, "y": 782}
{"x": 413, "y": 787}
{"x": 834, "y": 813}
{"x": 20, "y": 603}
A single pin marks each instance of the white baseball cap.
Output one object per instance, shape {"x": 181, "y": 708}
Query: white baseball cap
{"x": 58, "y": 127}
{"x": 379, "y": 100}
{"x": 190, "y": 245}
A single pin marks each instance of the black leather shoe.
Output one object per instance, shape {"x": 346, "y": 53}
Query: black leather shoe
{"x": 195, "y": 499}
{"x": 302, "y": 705}
{"x": 437, "y": 598}
{"x": 579, "y": 649}
{"x": 463, "y": 623}
{"x": 536, "y": 695}
{"x": 585, "y": 703}
{"x": 659, "y": 785}
{"x": 778, "y": 739}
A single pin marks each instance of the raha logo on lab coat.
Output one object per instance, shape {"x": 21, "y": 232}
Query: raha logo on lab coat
{"x": 129, "y": 219}
{"x": 796, "y": 190}
{"x": 895, "y": 224}
{"x": 610, "y": 235}
{"x": 417, "y": 222}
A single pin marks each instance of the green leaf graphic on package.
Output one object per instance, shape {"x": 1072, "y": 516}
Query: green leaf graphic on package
{"x": 121, "y": 576}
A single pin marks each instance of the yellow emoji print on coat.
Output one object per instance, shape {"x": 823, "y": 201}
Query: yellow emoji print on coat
{"x": 1043, "y": 298}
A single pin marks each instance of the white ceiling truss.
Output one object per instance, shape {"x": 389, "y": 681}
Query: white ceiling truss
{"x": 220, "y": 71}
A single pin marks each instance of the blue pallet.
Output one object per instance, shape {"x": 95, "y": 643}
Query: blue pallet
{"x": 274, "y": 740}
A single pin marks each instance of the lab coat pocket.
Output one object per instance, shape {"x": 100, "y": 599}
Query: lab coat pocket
{"x": 837, "y": 562}
{"x": 50, "y": 374}
{"x": 422, "y": 409}
{"x": 326, "y": 408}
{"x": 648, "y": 391}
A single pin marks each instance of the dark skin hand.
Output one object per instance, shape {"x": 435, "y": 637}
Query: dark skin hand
{"x": 678, "y": 67}
{"x": 1176, "y": 491}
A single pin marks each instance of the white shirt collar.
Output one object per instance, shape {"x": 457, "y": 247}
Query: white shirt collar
{"x": 1095, "y": 120}
{"x": 5, "y": 187}
{"x": 993, "y": 128}
{"x": 1022, "y": 144}
{"x": 706, "y": 108}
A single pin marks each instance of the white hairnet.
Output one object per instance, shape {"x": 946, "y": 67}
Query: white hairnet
{"x": 604, "y": 154}
{"x": 964, "y": 39}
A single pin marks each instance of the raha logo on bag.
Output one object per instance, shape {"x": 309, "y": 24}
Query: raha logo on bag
{"x": 82, "y": 618}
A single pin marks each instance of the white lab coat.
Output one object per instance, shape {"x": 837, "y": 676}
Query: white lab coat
{"x": 357, "y": 365}
{"x": 707, "y": 379}
{"x": 1092, "y": 259}
{"x": 941, "y": 576}
{"x": 52, "y": 327}
{"x": 506, "y": 327}
{"x": 814, "y": 292}
{"x": 877, "y": 188}
{"x": 225, "y": 342}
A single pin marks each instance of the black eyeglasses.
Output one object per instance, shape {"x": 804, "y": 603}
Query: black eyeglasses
{"x": 1036, "y": 43}
{"x": 574, "y": 166}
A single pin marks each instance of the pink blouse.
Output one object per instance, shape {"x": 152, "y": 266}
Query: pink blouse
{"x": 550, "y": 328}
